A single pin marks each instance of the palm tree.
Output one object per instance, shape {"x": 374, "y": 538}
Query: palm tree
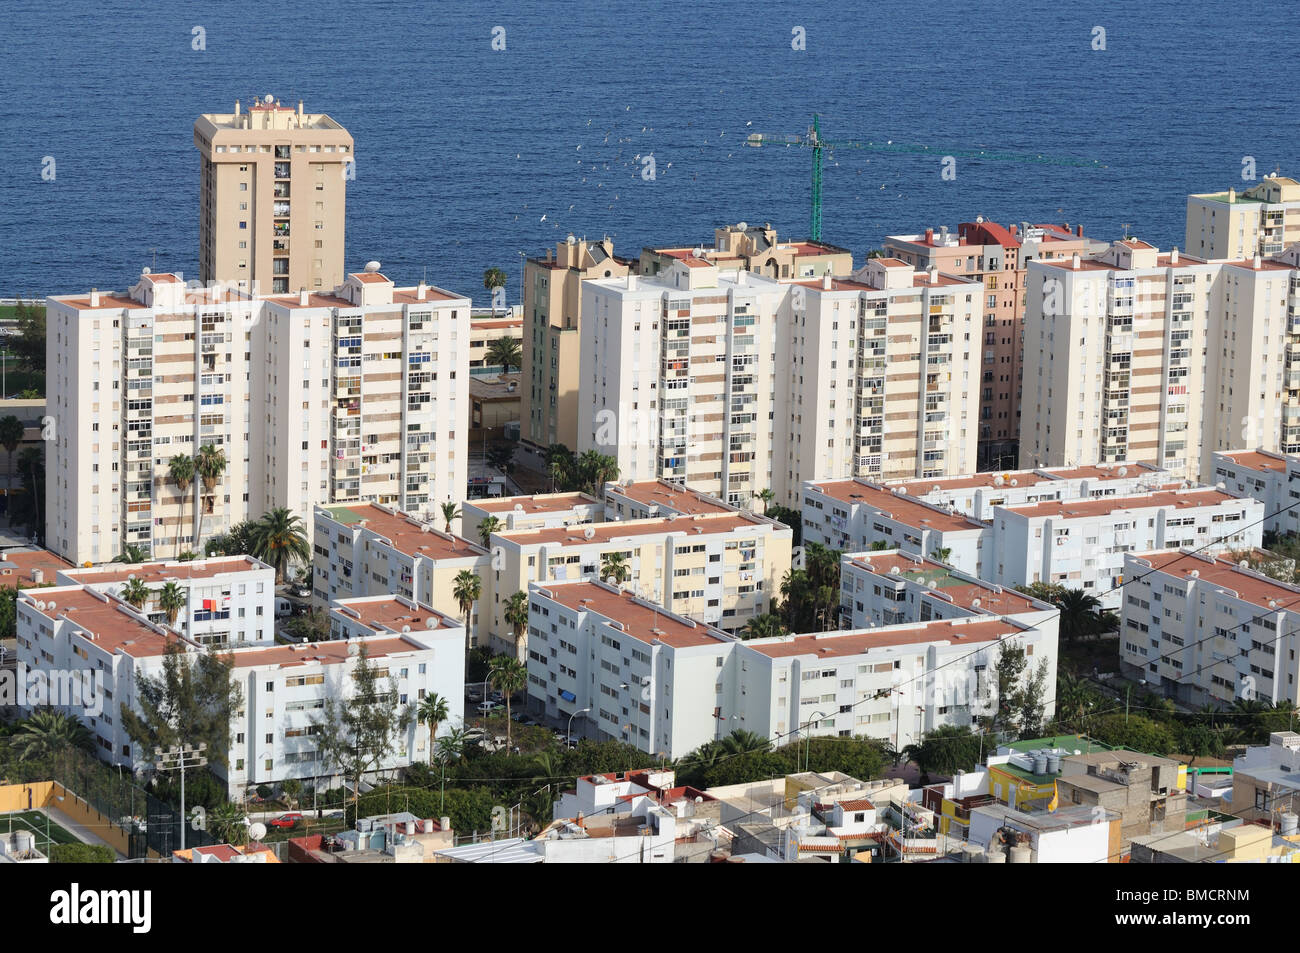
{"x": 516, "y": 616}
{"x": 741, "y": 741}
{"x": 181, "y": 472}
{"x": 767, "y": 496}
{"x": 210, "y": 463}
{"x": 47, "y": 733}
{"x": 941, "y": 554}
{"x": 449, "y": 513}
{"x": 132, "y": 554}
{"x": 1078, "y": 613}
{"x": 451, "y": 746}
{"x": 764, "y": 626}
{"x": 486, "y": 528}
{"x": 506, "y": 352}
{"x": 494, "y": 278}
{"x": 508, "y": 675}
{"x": 228, "y": 823}
{"x": 171, "y": 600}
{"x": 433, "y": 711}
{"x": 596, "y": 470}
{"x": 466, "y": 589}
{"x": 278, "y": 539}
{"x": 11, "y": 435}
{"x": 614, "y": 566}
{"x": 135, "y": 592}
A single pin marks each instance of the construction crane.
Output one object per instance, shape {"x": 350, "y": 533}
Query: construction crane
{"x": 812, "y": 139}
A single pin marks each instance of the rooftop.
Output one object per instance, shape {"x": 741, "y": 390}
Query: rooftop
{"x": 660, "y": 492}
{"x": 961, "y": 591}
{"x": 643, "y": 621}
{"x": 600, "y": 533}
{"x": 843, "y": 644}
{"x": 1249, "y": 586}
{"x": 321, "y": 653}
{"x": 1188, "y": 499}
{"x": 898, "y": 507}
{"x": 540, "y": 503}
{"x": 392, "y": 614}
{"x": 158, "y": 573}
{"x": 404, "y": 533}
{"x": 17, "y": 565}
{"x": 110, "y": 624}
{"x": 1260, "y": 460}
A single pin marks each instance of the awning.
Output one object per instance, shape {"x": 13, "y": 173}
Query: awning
{"x": 568, "y": 696}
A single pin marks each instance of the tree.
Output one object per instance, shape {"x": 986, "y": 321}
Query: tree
{"x": 940, "y": 554}
{"x": 433, "y": 711}
{"x": 278, "y": 539}
{"x": 767, "y": 496}
{"x": 494, "y": 278}
{"x": 1079, "y": 614}
{"x": 791, "y": 518}
{"x": 237, "y": 541}
{"x": 506, "y": 352}
{"x": 46, "y": 733}
{"x": 501, "y": 456}
{"x": 358, "y": 732}
{"x": 135, "y": 592}
{"x": 291, "y": 790}
{"x": 467, "y": 587}
{"x": 509, "y": 675}
{"x": 614, "y": 566}
{"x": 26, "y": 507}
{"x": 486, "y": 528}
{"x": 313, "y": 626}
{"x": 595, "y": 469}
{"x": 189, "y": 702}
{"x": 764, "y": 626}
{"x": 28, "y": 345}
{"x": 171, "y": 600}
{"x": 450, "y": 512}
{"x": 1050, "y": 592}
{"x": 516, "y": 616}
{"x": 945, "y": 750}
{"x": 228, "y": 824}
{"x": 11, "y": 435}
{"x": 210, "y": 464}
{"x": 8, "y": 612}
{"x": 1074, "y": 700}
{"x": 561, "y": 466}
{"x": 812, "y": 594}
{"x": 132, "y": 554}
{"x": 741, "y": 741}
{"x": 1008, "y": 670}
{"x": 180, "y": 470}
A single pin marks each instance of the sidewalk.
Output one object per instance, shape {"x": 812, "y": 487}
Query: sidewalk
{"x": 82, "y": 833}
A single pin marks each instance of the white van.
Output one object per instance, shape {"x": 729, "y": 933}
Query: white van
{"x": 283, "y": 608}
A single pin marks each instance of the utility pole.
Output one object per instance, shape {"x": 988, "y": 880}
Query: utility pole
{"x": 178, "y": 758}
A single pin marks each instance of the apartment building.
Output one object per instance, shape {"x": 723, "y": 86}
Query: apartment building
{"x": 682, "y": 383}
{"x": 370, "y": 550}
{"x": 272, "y": 194}
{"x": 833, "y": 514}
{"x": 896, "y": 682}
{"x": 540, "y": 511}
{"x": 1271, "y": 478}
{"x": 647, "y": 499}
{"x": 229, "y": 601}
{"x": 78, "y": 636}
{"x": 1141, "y": 788}
{"x": 1260, "y": 220}
{"x": 1082, "y": 544}
{"x": 485, "y": 329}
{"x": 718, "y": 568}
{"x": 552, "y": 324}
{"x": 1204, "y": 630}
{"x": 1164, "y": 359}
{"x": 1266, "y": 782}
{"x": 375, "y": 383}
{"x": 744, "y": 247}
{"x": 645, "y": 675}
{"x": 995, "y": 256}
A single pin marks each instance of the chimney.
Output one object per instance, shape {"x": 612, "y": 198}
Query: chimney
{"x": 578, "y": 821}
{"x": 1257, "y": 261}
{"x": 94, "y": 297}
{"x": 929, "y": 236}
{"x": 740, "y": 276}
{"x": 302, "y": 297}
{"x": 934, "y": 275}
{"x": 1075, "y": 261}
{"x": 300, "y": 112}
{"x": 1232, "y": 195}
{"x": 1012, "y": 229}
{"x": 631, "y": 281}
{"x": 1078, "y": 231}
{"x": 1173, "y": 256}
{"x": 236, "y": 107}
{"x": 420, "y": 290}
{"x": 826, "y": 281}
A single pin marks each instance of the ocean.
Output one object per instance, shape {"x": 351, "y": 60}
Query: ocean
{"x": 469, "y": 157}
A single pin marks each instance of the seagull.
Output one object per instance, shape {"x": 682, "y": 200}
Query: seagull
{"x": 579, "y": 148}
{"x": 668, "y": 166}
{"x": 543, "y": 218}
{"x": 570, "y": 208}
{"x": 750, "y": 123}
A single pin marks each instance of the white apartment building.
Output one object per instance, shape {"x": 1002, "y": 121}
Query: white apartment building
{"x": 375, "y": 379}
{"x": 1260, "y": 220}
{"x": 368, "y": 549}
{"x": 647, "y": 677}
{"x": 646, "y": 499}
{"x": 718, "y": 568}
{"x": 229, "y": 601}
{"x": 733, "y": 383}
{"x": 540, "y": 511}
{"x": 1163, "y": 358}
{"x": 1082, "y": 544}
{"x": 1271, "y": 478}
{"x": 78, "y": 635}
{"x": 1203, "y": 629}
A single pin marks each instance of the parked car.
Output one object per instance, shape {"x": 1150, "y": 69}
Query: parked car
{"x": 474, "y": 695}
{"x": 475, "y": 734}
{"x": 292, "y": 819}
{"x": 487, "y": 708}
{"x": 283, "y": 608}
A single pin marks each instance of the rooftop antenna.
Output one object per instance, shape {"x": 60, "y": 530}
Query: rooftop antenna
{"x": 1126, "y": 226}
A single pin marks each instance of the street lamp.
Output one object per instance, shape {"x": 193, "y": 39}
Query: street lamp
{"x": 807, "y": 742}
{"x": 568, "y": 733}
{"x": 180, "y": 757}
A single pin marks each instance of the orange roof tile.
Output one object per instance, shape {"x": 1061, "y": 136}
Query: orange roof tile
{"x": 841, "y": 645}
{"x": 643, "y": 622}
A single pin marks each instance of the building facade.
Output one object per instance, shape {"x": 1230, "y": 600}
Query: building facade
{"x": 1260, "y": 220}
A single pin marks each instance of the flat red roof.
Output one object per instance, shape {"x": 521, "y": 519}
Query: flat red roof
{"x": 1225, "y": 573}
{"x": 1189, "y": 499}
{"x": 1258, "y": 460}
{"x": 839, "y": 645}
{"x": 959, "y": 592}
{"x": 405, "y": 533}
{"x": 660, "y": 492}
{"x": 110, "y": 625}
{"x": 20, "y": 566}
{"x": 320, "y": 653}
{"x": 904, "y": 509}
{"x": 392, "y": 613}
{"x": 641, "y": 621}
{"x": 542, "y": 503}
{"x": 161, "y": 572}
{"x": 709, "y": 523}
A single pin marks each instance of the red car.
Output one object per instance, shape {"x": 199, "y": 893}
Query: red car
{"x": 287, "y": 820}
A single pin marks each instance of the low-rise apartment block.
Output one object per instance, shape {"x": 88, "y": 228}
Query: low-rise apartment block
{"x": 540, "y": 511}
{"x": 1271, "y": 478}
{"x": 1203, "y": 629}
{"x": 1266, "y": 782}
{"x": 313, "y": 398}
{"x": 1260, "y": 220}
{"x": 650, "y": 498}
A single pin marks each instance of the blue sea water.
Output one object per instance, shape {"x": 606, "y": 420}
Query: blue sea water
{"x": 461, "y": 150}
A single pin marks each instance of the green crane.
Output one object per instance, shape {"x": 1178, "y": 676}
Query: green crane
{"x": 812, "y": 139}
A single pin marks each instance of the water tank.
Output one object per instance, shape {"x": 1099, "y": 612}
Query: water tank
{"x": 410, "y": 827}
{"x": 1053, "y": 764}
{"x": 1020, "y": 854}
{"x": 38, "y": 576}
{"x": 972, "y": 854}
{"x": 445, "y": 823}
{"x": 1290, "y": 823}
{"x": 1040, "y": 763}
{"x": 995, "y": 855}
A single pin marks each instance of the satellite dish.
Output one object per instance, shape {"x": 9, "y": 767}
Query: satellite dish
{"x": 1123, "y": 471}
{"x": 268, "y": 99}
{"x": 742, "y": 226}
{"x": 1272, "y": 603}
{"x": 1195, "y": 574}
{"x": 571, "y": 240}
{"x": 519, "y": 507}
{"x": 431, "y": 622}
{"x": 426, "y": 528}
{"x": 1244, "y": 564}
{"x": 974, "y": 603}
{"x": 998, "y": 481}
{"x": 406, "y": 628}
{"x": 1015, "y": 482}
{"x": 1220, "y": 485}
{"x": 52, "y": 604}
{"x": 936, "y": 488}
{"x": 256, "y": 831}
{"x": 902, "y": 491}
{"x": 589, "y": 533}
{"x": 40, "y": 606}
{"x": 895, "y": 571}
{"x": 372, "y": 266}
